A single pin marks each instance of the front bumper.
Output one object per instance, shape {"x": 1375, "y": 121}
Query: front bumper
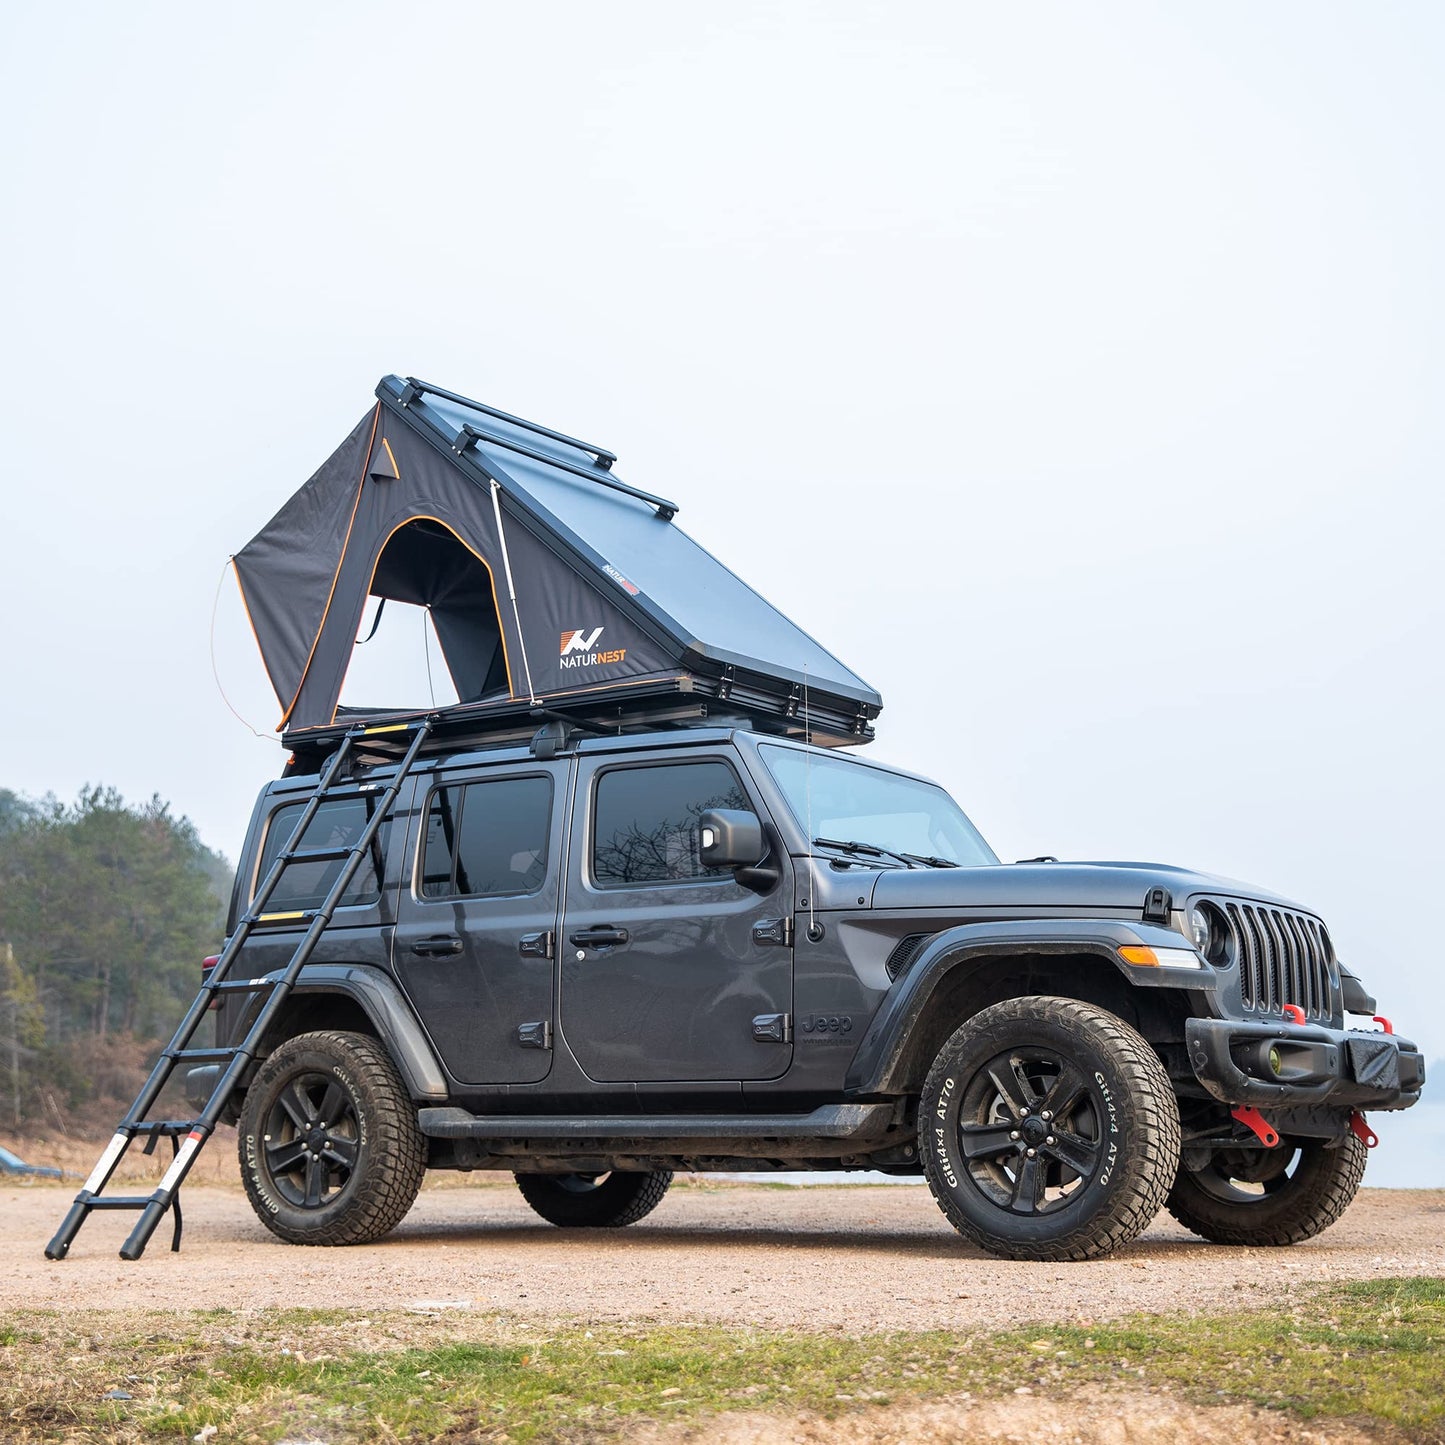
{"x": 1318, "y": 1065}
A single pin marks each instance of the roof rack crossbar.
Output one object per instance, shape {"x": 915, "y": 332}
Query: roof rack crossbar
{"x": 469, "y": 434}
{"x": 422, "y": 388}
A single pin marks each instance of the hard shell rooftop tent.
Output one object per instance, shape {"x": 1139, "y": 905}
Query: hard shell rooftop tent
{"x": 553, "y": 586}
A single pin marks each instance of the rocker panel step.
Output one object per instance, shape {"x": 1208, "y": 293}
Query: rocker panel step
{"x": 830, "y": 1121}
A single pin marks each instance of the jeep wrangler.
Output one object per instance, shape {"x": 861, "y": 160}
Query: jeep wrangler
{"x": 594, "y": 960}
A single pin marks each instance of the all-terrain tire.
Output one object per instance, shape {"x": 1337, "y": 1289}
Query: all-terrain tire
{"x": 1312, "y": 1188}
{"x": 586, "y": 1201}
{"x": 329, "y": 1144}
{"x": 1048, "y": 1130}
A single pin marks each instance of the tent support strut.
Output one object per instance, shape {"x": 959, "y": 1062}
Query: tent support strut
{"x": 511, "y": 588}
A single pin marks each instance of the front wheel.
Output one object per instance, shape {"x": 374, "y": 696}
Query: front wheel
{"x": 1264, "y": 1197}
{"x": 330, "y": 1148}
{"x": 1048, "y": 1130}
{"x": 594, "y": 1201}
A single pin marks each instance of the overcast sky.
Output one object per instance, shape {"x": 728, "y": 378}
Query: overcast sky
{"x": 1074, "y": 373}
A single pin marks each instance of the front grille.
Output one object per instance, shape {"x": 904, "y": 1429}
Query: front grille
{"x": 1283, "y": 958}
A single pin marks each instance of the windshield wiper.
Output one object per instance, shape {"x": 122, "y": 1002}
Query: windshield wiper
{"x": 866, "y": 850}
{"x": 929, "y": 859}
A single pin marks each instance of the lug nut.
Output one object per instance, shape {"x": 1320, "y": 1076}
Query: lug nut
{"x": 1032, "y": 1152}
{"x": 1051, "y": 1140}
{"x": 1013, "y": 1133}
{"x": 1048, "y": 1114}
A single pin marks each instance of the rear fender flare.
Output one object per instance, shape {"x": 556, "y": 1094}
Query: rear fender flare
{"x": 384, "y": 1004}
{"x": 879, "y": 1065}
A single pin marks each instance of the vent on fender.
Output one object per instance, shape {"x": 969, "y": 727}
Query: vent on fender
{"x": 904, "y": 952}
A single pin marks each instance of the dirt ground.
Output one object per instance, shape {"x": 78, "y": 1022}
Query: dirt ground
{"x": 849, "y": 1258}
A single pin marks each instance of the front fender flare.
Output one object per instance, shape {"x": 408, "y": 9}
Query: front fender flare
{"x": 877, "y": 1066}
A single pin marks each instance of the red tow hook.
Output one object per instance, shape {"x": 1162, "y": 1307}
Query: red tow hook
{"x": 1294, "y": 1013}
{"x": 1361, "y": 1130}
{"x": 1385, "y": 1024}
{"x": 1257, "y": 1124}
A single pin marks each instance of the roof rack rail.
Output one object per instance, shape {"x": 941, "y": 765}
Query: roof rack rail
{"x": 415, "y": 390}
{"x": 420, "y": 388}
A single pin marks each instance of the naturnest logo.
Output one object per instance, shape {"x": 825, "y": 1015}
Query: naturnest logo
{"x": 578, "y": 649}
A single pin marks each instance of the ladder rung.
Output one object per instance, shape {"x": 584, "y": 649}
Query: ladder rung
{"x": 152, "y": 1207}
{"x": 316, "y": 855}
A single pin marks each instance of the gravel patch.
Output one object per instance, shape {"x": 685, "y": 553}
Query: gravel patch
{"x": 828, "y": 1258}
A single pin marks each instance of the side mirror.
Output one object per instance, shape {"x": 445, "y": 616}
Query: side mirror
{"x": 732, "y": 838}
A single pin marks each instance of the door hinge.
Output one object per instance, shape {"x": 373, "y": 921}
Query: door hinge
{"x": 535, "y": 1036}
{"x": 773, "y": 1028}
{"x": 777, "y": 932}
{"x": 536, "y": 945}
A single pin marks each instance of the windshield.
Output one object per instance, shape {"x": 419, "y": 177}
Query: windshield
{"x": 837, "y": 798}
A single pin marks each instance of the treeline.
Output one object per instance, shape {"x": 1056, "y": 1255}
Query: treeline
{"x": 106, "y": 911}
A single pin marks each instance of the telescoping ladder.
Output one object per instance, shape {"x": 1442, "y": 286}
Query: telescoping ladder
{"x": 187, "y": 1136}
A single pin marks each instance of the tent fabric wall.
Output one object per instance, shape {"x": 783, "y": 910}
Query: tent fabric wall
{"x": 609, "y": 593}
{"x": 286, "y": 571}
{"x": 297, "y": 558}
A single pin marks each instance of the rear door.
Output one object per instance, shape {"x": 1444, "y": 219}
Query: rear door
{"x": 477, "y": 918}
{"x": 662, "y": 977}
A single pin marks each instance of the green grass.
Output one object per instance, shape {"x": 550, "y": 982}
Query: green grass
{"x": 1371, "y": 1352}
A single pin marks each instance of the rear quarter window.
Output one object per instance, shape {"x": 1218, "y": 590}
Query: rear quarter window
{"x": 338, "y": 823}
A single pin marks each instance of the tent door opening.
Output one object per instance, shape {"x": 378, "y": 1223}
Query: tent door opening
{"x": 425, "y": 572}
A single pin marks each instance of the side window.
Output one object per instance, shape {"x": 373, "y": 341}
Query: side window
{"x": 487, "y": 838}
{"x": 646, "y": 824}
{"x": 337, "y": 824}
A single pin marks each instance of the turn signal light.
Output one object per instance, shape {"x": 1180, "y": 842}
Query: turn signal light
{"x": 1144, "y": 957}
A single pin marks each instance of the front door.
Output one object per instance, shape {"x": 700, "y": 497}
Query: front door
{"x": 478, "y": 914}
{"x": 662, "y": 977}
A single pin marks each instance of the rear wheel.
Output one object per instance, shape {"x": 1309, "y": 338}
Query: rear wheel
{"x": 329, "y": 1144}
{"x": 1048, "y": 1130}
{"x": 594, "y": 1201}
{"x": 1263, "y": 1197}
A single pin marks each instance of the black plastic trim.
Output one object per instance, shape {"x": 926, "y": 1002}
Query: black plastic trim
{"x": 1335, "y": 1065}
{"x": 831, "y": 1121}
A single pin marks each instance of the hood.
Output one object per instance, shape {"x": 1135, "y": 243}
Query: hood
{"x": 1020, "y": 887}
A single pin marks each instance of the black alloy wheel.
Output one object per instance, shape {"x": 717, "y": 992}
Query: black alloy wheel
{"x": 1269, "y": 1197}
{"x": 594, "y": 1201}
{"x": 329, "y": 1144}
{"x": 311, "y": 1134}
{"x": 1048, "y": 1130}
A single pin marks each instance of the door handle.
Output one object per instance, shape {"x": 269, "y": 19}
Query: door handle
{"x": 601, "y": 936}
{"x": 439, "y": 945}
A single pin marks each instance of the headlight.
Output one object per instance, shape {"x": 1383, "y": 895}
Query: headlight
{"x": 1200, "y": 929}
{"x": 1208, "y": 930}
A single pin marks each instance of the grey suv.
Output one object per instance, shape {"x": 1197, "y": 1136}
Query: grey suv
{"x": 595, "y": 960}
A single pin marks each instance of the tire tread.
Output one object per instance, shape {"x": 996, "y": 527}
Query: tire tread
{"x": 1321, "y": 1196}
{"x": 396, "y": 1161}
{"x": 1158, "y": 1128}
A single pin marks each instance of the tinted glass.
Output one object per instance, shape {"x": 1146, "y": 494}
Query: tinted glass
{"x": 853, "y": 802}
{"x": 337, "y": 824}
{"x": 487, "y": 838}
{"x": 646, "y": 829}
